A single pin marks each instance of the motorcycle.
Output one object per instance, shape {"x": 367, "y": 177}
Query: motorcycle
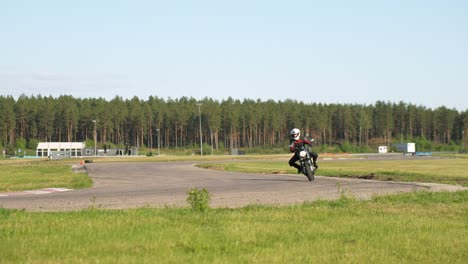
{"x": 305, "y": 159}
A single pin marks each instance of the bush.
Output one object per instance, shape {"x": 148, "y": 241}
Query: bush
{"x": 89, "y": 143}
{"x": 198, "y": 199}
{"x": 10, "y": 150}
{"x": 20, "y": 143}
{"x": 422, "y": 144}
{"x": 206, "y": 149}
{"x": 365, "y": 149}
{"x": 347, "y": 147}
{"x": 32, "y": 144}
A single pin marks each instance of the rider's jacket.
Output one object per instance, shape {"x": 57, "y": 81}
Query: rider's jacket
{"x": 294, "y": 144}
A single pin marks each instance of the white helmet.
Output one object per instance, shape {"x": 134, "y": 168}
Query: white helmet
{"x": 295, "y": 133}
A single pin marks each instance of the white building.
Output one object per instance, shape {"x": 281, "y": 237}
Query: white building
{"x": 406, "y": 148}
{"x": 383, "y": 149}
{"x": 71, "y": 149}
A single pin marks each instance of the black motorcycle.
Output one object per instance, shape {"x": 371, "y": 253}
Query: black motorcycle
{"x": 305, "y": 159}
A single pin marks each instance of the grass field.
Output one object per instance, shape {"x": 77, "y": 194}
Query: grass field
{"x": 409, "y": 228}
{"x": 38, "y": 175}
{"x": 450, "y": 171}
{"x": 419, "y": 227}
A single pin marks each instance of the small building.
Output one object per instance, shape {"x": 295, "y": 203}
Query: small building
{"x": 406, "y": 148}
{"x": 60, "y": 150}
{"x": 56, "y": 149}
{"x": 383, "y": 149}
{"x": 109, "y": 152}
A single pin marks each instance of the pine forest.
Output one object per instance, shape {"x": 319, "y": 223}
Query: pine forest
{"x": 230, "y": 123}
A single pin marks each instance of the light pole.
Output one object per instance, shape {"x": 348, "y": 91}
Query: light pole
{"x": 95, "y": 138}
{"x": 463, "y": 140}
{"x": 157, "y": 130}
{"x": 201, "y": 140}
{"x": 211, "y": 135}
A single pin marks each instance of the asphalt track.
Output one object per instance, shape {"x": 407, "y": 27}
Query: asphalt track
{"x": 158, "y": 184}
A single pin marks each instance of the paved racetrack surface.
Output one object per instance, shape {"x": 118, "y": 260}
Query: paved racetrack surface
{"x": 158, "y": 184}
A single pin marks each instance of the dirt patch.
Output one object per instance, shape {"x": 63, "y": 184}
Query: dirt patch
{"x": 278, "y": 172}
{"x": 364, "y": 177}
{"x": 79, "y": 169}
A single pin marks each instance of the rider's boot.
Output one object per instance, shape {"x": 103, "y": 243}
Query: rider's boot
{"x": 299, "y": 169}
{"x": 315, "y": 164}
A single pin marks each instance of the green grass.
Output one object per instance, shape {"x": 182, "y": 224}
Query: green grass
{"x": 29, "y": 176}
{"x": 450, "y": 171}
{"x": 408, "y": 228}
{"x": 419, "y": 227}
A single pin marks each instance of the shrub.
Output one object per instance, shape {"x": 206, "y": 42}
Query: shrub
{"x": 20, "y": 143}
{"x": 198, "y": 199}
{"x": 347, "y": 147}
{"x": 32, "y": 144}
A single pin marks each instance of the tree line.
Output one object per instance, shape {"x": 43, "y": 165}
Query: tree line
{"x": 229, "y": 123}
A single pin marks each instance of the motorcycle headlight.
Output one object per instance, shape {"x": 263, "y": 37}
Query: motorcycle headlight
{"x": 303, "y": 154}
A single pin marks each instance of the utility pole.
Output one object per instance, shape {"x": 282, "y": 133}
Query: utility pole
{"x": 201, "y": 140}
{"x": 463, "y": 140}
{"x": 157, "y": 130}
{"x": 95, "y": 138}
{"x": 211, "y": 139}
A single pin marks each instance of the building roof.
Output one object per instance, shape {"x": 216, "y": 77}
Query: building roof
{"x": 61, "y": 145}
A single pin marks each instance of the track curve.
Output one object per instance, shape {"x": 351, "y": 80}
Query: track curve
{"x": 134, "y": 184}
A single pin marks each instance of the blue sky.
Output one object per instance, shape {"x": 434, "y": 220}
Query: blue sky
{"x": 312, "y": 51}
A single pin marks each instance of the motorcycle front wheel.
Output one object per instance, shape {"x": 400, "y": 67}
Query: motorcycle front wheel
{"x": 309, "y": 172}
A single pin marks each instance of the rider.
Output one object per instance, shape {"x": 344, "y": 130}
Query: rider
{"x": 294, "y": 144}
